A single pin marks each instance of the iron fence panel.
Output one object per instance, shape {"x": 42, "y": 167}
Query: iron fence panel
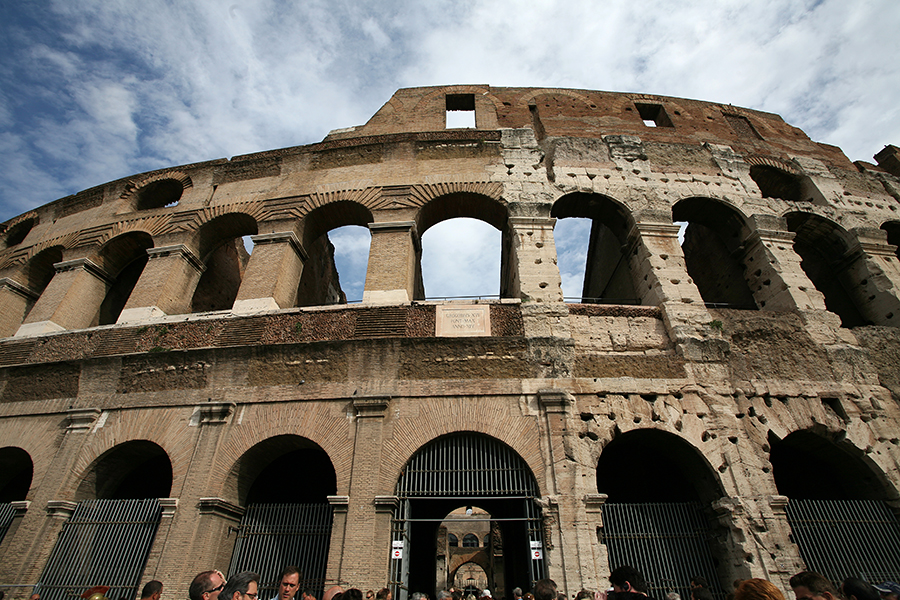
{"x": 7, "y": 514}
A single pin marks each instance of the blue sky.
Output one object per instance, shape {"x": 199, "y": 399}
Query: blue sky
{"x": 95, "y": 90}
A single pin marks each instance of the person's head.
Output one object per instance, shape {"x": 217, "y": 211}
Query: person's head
{"x": 331, "y": 592}
{"x": 383, "y": 594}
{"x": 153, "y": 589}
{"x": 808, "y": 585}
{"x": 352, "y": 594}
{"x": 699, "y": 582}
{"x": 456, "y": 594}
{"x": 701, "y": 593}
{"x": 857, "y": 589}
{"x": 444, "y": 595}
{"x": 419, "y": 596}
{"x": 207, "y": 586}
{"x": 584, "y": 595}
{"x": 288, "y": 583}
{"x": 545, "y": 589}
{"x": 371, "y": 594}
{"x": 757, "y": 589}
{"x": 242, "y": 586}
{"x": 888, "y": 590}
{"x": 517, "y": 592}
{"x": 628, "y": 579}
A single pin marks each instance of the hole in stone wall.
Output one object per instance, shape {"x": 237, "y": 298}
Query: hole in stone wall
{"x": 460, "y": 111}
{"x": 18, "y": 232}
{"x": 461, "y": 259}
{"x": 16, "y": 472}
{"x": 653, "y": 115}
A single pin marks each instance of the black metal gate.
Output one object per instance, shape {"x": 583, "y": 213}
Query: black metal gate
{"x": 467, "y": 468}
{"x": 273, "y": 536}
{"x": 667, "y": 542}
{"x": 104, "y": 542}
{"x": 7, "y": 514}
{"x": 841, "y": 538}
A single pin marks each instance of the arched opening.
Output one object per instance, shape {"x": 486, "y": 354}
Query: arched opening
{"x": 823, "y": 248}
{"x": 776, "y": 183}
{"x": 607, "y": 267}
{"x": 284, "y": 483}
{"x": 445, "y": 480}
{"x": 18, "y": 232}
{"x": 124, "y": 258}
{"x": 657, "y": 517}
{"x": 132, "y": 470}
{"x": 837, "y": 500}
{"x": 16, "y": 472}
{"x": 713, "y": 248}
{"x": 40, "y": 270}
{"x": 464, "y": 247}
{"x": 221, "y": 248}
{"x": 470, "y": 565}
{"x": 160, "y": 193}
{"x": 461, "y": 259}
{"x": 893, "y": 235}
{"x": 336, "y": 238}
{"x": 118, "y": 500}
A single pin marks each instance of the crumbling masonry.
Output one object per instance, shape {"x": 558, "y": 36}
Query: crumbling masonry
{"x": 147, "y": 355}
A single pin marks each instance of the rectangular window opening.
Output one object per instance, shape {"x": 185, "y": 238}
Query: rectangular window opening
{"x": 742, "y": 126}
{"x": 460, "y": 111}
{"x": 653, "y": 115}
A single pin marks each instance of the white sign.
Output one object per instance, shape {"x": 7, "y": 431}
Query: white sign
{"x": 535, "y": 545}
{"x": 537, "y": 554}
{"x": 397, "y": 544}
{"x": 463, "y": 320}
{"x": 397, "y": 553}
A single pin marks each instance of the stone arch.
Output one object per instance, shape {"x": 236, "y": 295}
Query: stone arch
{"x": 258, "y": 469}
{"x": 517, "y": 433}
{"x": 319, "y": 282}
{"x": 16, "y": 473}
{"x": 219, "y": 246}
{"x": 479, "y": 559}
{"x": 609, "y": 275}
{"x": 123, "y": 258}
{"x": 818, "y": 464}
{"x": 713, "y": 250}
{"x": 893, "y": 234}
{"x": 157, "y": 191}
{"x": 824, "y": 248}
{"x": 452, "y": 540}
{"x": 776, "y": 179}
{"x": 19, "y": 230}
{"x": 652, "y": 465}
{"x": 470, "y": 540}
{"x": 131, "y": 470}
{"x": 39, "y": 269}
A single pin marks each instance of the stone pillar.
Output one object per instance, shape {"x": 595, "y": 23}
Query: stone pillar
{"x": 773, "y": 269}
{"x": 365, "y": 557}
{"x": 166, "y": 285}
{"x": 589, "y": 541}
{"x": 339, "y": 506}
{"x": 272, "y": 275}
{"x": 394, "y": 256}
{"x": 160, "y": 540}
{"x": 535, "y": 274}
{"x": 71, "y": 300}
{"x": 873, "y": 269}
{"x": 15, "y": 300}
{"x": 663, "y": 280}
{"x": 565, "y": 563}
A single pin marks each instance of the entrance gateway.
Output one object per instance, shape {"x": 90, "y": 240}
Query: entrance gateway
{"x": 465, "y": 470}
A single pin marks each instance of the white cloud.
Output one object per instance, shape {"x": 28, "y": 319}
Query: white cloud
{"x": 461, "y": 257}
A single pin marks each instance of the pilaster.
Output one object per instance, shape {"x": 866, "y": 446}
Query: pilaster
{"x": 272, "y": 275}
{"x": 394, "y": 256}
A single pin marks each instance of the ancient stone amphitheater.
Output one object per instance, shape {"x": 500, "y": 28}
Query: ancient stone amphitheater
{"x": 725, "y": 406}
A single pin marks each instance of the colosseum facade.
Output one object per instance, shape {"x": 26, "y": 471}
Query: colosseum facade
{"x": 725, "y": 405}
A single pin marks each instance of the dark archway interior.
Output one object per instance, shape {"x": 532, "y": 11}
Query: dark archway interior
{"x": 16, "y": 473}
{"x": 133, "y": 470}
{"x": 123, "y": 257}
{"x": 647, "y": 465}
{"x": 808, "y": 466}
{"x": 819, "y": 244}
{"x": 893, "y": 234}
{"x": 218, "y": 286}
{"x": 303, "y": 476}
{"x": 461, "y": 204}
{"x": 775, "y": 183}
{"x": 159, "y": 193}
{"x": 18, "y": 232}
{"x": 713, "y": 238}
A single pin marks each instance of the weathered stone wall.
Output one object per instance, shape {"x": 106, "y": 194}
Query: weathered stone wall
{"x": 677, "y": 369}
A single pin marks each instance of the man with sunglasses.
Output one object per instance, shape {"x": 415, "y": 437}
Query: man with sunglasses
{"x": 207, "y": 585}
{"x": 242, "y": 586}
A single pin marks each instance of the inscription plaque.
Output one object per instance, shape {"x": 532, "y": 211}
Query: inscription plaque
{"x": 461, "y": 321}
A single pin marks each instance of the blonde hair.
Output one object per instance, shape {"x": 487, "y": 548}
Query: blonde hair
{"x": 757, "y": 589}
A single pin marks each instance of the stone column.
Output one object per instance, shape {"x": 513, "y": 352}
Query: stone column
{"x": 339, "y": 506}
{"x": 589, "y": 541}
{"x": 873, "y": 268}
{"x": 273, "y": 273}
{"x": 166, "y": 285}
{"x": 535, "y": 276}
{"x": 15, "y": 300}
{"x": 394, "y": 256}
{"x": 365, "y": 558}
{"x": 71, "y": 300}
{"x": 663, "y": 280}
